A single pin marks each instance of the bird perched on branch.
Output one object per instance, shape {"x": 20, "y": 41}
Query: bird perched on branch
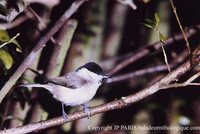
{"x": 75, "y": 88}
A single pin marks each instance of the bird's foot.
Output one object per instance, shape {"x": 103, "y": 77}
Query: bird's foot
{"x": 87, "y": 111}
{"x": 64, "y": 114}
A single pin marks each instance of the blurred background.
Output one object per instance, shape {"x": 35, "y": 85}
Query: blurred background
{"x": 107, "y": 32}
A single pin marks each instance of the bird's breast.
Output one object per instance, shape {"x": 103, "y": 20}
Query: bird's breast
{"x": 73, "y": 97}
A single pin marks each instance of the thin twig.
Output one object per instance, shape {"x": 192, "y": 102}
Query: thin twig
{"x": 192, "y": 78}
{"x": 41, "y": 23}
{"x": 165, "y": 57}
{"x": 178, "y": 85}
{"x": 180, "y": 26}
{"x": 38, "y": 47}
{"x": 163, "y": 49}
{"x": 184, "y": 84}
{"x": 38, "y": 18}
{"x": 136, "y": 73}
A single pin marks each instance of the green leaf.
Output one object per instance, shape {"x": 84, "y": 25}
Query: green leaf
{"x": 4, "y": 37}
{"x": 149, "y": 23}
{"x": 18, "y": 47}
{"x": 157, "y": 18}
{"x": 6, "y": 59}
{"x": 19, "y": 50}
{"x": 149, "y": 26}
{"x": 162, "y": 37}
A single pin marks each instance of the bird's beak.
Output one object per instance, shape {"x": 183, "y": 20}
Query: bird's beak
{"x": 105, "y": 76}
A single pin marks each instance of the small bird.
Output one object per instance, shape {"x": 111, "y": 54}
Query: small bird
{"x": 75, "y": 88}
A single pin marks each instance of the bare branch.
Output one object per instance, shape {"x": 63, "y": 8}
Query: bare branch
{"x": 137, "y": 73}
{"x": 184, "y": 84}
{"x": 149, "y": 70}
{"x": 180, "y": 26}
{"x": 41, "y": 25}
{"x": 49, "y": 3}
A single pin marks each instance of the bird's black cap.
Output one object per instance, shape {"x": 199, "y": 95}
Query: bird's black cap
{"x": 93, "y": 67}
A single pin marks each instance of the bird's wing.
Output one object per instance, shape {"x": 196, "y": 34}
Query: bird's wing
{"x": 70, "y": 80}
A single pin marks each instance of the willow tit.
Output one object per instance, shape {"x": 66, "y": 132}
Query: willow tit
{"x": 75, "y": 88}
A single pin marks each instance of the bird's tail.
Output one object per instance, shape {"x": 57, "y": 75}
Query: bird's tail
{"x": 48, "y": 87}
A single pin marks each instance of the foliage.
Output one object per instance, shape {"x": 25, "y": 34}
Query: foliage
{"x": 153, "y": 24}
{"x": 5, "y": 56}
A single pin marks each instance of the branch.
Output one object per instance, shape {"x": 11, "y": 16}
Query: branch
{"x": 13, "y": 13}
{"x": 61, "y": 49}
{"x": 41, "y": 26}
{"x": 137, "y": 73}
{"x": 184, "y": 84}
{"x": 117, "y": 104}
{"x": 129, "y": 3}
{"x": 14, "y": 23}
{"x": 150, "y": 48}
{"x": 180, "y": 26}
{"x": 48, "y": 3}
{"x": 148, "y": 70}
{"x": 38, "y": 47}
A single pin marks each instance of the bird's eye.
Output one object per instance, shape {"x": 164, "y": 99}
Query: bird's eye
{"x": 103, "y": 80}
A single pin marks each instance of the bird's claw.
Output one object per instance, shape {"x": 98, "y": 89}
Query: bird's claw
{"x": 87, "y": 111}
{"x": 65, "y": 116}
